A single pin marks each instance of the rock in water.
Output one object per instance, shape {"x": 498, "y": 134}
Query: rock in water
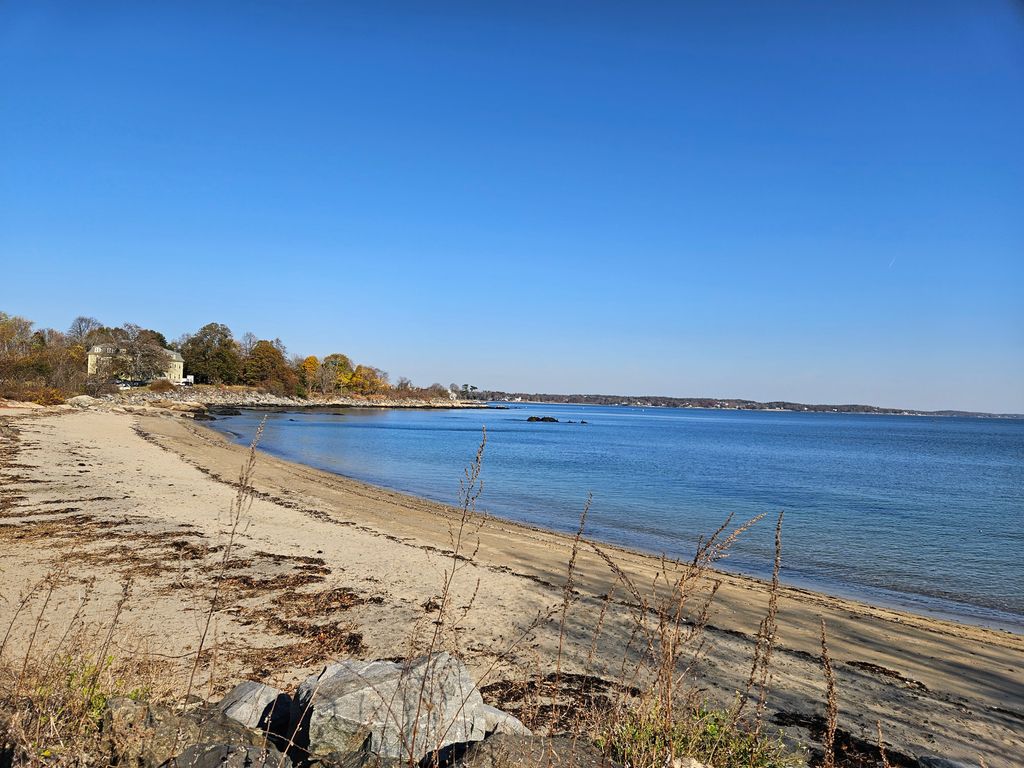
{"x": 394, "y": 711}
{"x": 258, "y": 706}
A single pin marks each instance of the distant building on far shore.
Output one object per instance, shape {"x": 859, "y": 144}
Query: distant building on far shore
{"x": 102, "y": 354}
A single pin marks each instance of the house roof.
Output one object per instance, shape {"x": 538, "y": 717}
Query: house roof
{"x": 111, "y": 349}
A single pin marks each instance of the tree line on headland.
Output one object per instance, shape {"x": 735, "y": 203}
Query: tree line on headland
{"x": 658, "y": 401}
{"x": 47, "y": 365}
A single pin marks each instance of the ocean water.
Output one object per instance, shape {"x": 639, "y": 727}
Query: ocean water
{"x": 920, "y": 513}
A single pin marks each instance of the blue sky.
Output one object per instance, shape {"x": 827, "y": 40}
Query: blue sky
{"x": 798, "y": 200}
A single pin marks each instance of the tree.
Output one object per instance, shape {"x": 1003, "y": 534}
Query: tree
{"x": 212, "y": 356}
{"x": 335, "y": 372}
{"x": 15, "y": 335}
{"x": 153, "y": 337}
{"x": 81, "y": 327}
{"x": 367, "y": 380}
{"x": 39, "y": 365}
{"x": 404, "y": 384}
{"x": 437, "y": 389}
{"x": 310, "y": 368}
{"x": 267, "y": 368}
{"x": 136, "y": 356}
{"x": 68, "y": 364}
{"x": 326, "y": 380}
{"x": 247, "y": 343}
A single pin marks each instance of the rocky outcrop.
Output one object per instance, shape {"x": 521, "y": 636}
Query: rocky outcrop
{"x": 198, "y": 402}
{"x": 185, "y": 406}
{"x": 82, "y": 401}
{"x": 215, "y": 397}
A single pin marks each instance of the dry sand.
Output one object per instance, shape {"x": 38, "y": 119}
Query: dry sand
{"x": 327, "y": 567}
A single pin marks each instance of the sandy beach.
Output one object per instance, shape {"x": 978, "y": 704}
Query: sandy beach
{"x": 325, "y": 567}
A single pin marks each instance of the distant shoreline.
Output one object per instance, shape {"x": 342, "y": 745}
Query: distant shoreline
{"x": 726, "y": 404}
{"x": 244, "y": 397}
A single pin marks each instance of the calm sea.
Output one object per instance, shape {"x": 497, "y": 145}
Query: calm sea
{"x": 915, "y": 512}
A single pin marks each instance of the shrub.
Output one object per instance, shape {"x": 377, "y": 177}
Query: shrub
{"x": 33, "y": 393}
{"x": 639, "y": 736}
{"x": 161, "y": 385}
{"x": 46, "y": 396}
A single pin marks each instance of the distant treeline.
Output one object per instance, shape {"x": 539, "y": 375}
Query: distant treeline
{"x": 47, "y": 365}
{"x": 656, "y": 401}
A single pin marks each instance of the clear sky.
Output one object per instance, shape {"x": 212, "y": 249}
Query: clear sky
{"x": 812, "y": 201}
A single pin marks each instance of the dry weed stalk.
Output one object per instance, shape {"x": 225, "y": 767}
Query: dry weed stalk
{"x": 768, "y": 628}
{"x": 568, "y": 599}
{"x": 54, "y": 578}
{"x": 764, "y": 643}
{"x": 468, "y": 525}
{"x": 464, "y": 537}
{"x": 663, "y": 619}
{"x": 23, "y": 602}
{"x": 92, "y": 680}
{"x": 831, "y": 704}
{"x": 51, "y": 702}
{"x": 669, "y": 718}
{"x": 237, "y": 514}
{"x": 447, "y": 622}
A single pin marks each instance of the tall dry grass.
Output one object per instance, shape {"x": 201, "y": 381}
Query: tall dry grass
{"x": 671, "y": 718}
{"x": 53, "y": 693}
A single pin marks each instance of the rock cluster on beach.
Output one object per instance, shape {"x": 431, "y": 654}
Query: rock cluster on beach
{"x": 352, "y": 714}
{"x": 349, "y": 715}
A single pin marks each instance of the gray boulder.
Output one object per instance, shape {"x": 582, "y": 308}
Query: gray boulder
{"x": 137, "y": 733}
{"x": 81, "y": 401}
{"x": 498, "y": 722}
{"x": 228, "y": 756}
{"x": 392, "y": 711}
{"x": 258, "y": 706}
